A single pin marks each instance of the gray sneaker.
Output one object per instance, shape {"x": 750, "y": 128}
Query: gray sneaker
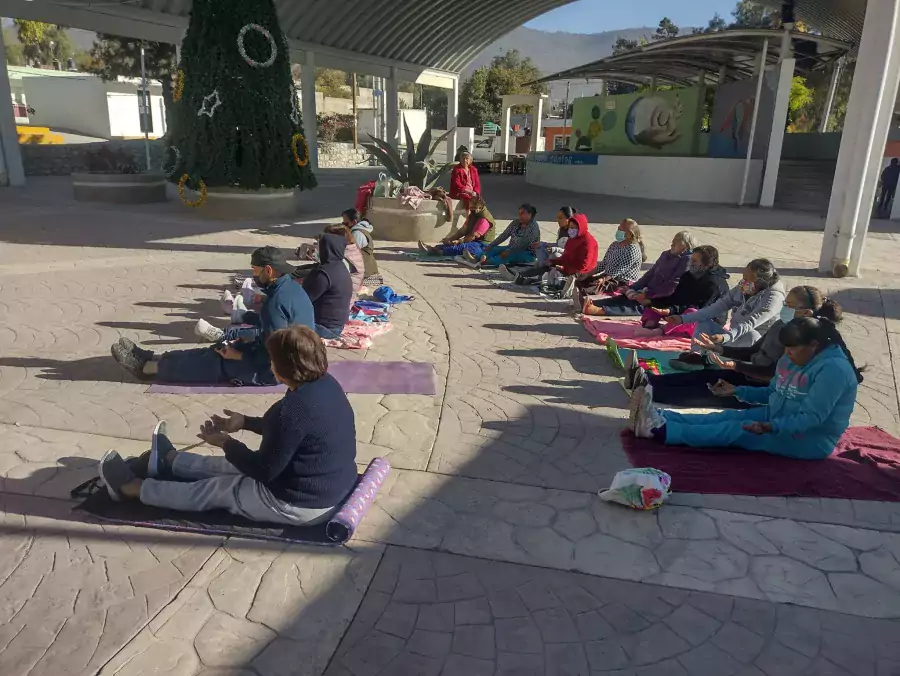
{"x": 160, "y": 447}
{"x": 129, "y": 361}
{"x": 115, "y": 473}
{"x": 139, "y": 352}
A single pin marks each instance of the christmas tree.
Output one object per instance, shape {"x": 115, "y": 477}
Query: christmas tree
{"x": 236, "y": 119}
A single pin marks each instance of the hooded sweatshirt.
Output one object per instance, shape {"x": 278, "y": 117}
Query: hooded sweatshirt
{"x": 362, "y": 235}
{"x": 580, "y": 254}
{"x": 329, "y": 286}
{"x": 808, "y": 406}
{"x": 664, "y": 275}
{"x": 757, "y": 312}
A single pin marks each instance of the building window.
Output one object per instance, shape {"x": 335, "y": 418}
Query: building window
{"x": 561, "y": 142}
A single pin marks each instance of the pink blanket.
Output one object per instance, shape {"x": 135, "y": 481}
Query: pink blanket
{"x": 358, "y": 335}
{"x": 622, "y": 331}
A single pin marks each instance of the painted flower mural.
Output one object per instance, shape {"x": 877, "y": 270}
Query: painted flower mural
{"x": 653, "y": 121}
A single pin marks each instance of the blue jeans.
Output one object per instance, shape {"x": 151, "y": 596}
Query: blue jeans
{"x": 517, "y": 257}
{"x": 713, "y": 328}
{"x": 474, "y": 248}
{"x": 328, "y": 334}
{"x": 725, "y": 429}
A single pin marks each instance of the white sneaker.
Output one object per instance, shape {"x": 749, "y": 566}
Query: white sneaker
{"x": 227, "y": 301}
{"x": 508, "y": 274}
{"x": 568, "y": 289}
{"x": 208, "y": 332}
{"x": 466, "y": 262}
{"x": 646, "y": 416}
{"x": 237, "y": 313}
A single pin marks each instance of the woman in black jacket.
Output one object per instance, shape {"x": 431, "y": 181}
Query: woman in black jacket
{"x": 330, "y": 287}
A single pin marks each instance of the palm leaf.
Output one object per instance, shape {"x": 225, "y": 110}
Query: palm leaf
{"x": 438, "y": 142}
{"x": 443, "y": 171}
{"x": 410, "y": 145}
{"x": 395, "y": 169}
{"x": 424, "y": 145}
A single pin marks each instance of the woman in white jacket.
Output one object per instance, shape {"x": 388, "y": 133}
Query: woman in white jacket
{"x": 755, "y": 305}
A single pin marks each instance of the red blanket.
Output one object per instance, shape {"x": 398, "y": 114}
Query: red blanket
{"x": 622, "y": 331}
{"x": 864, "y": 466}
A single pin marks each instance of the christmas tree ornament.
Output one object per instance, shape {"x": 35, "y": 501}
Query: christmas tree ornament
{"x": 210, "y": 103}
{"x": 200, "y": 201}
{"x": 296, "y": 140}
{"x": 172, "y": 168}
{"x": 179, "y": 86}
{"x": 273, "y": 53}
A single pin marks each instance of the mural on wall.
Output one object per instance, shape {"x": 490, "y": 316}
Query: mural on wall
{"x": 732, "y": 118}
{"x": 637, "y": 124}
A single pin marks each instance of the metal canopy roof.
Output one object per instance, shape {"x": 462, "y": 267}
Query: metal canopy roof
{"x": 370, "y": 35}
{"x": 682, "y": 61}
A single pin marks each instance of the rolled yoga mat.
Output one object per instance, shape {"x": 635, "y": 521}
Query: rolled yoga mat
{"x": 333, "y": 533}
{"x": 356, "y": 377}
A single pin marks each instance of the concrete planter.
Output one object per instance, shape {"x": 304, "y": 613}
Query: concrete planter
{"x": 236, "y": 204}
{"x": 396, "y": 223}
{"x": 119, "y": 188}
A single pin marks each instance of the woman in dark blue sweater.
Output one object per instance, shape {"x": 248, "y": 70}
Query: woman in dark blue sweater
{"x": 305, "y": 466}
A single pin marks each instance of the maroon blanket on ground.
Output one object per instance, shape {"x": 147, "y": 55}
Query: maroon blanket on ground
{"x": 864, "y": 466}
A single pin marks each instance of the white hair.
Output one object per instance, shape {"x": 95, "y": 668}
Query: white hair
{"x": 686, "y": 238}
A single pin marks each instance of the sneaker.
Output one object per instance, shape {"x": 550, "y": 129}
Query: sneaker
{"x": 688, "y": 361}
{"x": 129, "y": 361}
{"x": 644, "y": 417}
{"x": 578, "y": 300}
{"x": 238, "y": 281}
{"x": 139, "y": 352}
{"x": 469, "y": 257}
{"x": 422, "y": 247}
{"x": 508, "y": 274}
{"x": 240, "y": 309}
{"x": 638, "y": 379}
{"x": 569, "y": 288}
{"x": 160, "y": 447}
{"x": 114, "y": 473}
{"x": 465, "y": 261}
{"x": 208, "y": 332}
{"x": 227, "y": 301}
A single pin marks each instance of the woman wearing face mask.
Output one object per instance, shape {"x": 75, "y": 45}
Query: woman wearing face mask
{"x": 578, "y": 257}
{"x": 755, "y": 304}
{"x": 475, "y": 234}
{"x": 659, "y": 281}
{"x": 802, "y": 413}
{"x": 622, "y": 262}
{"x": 740, "y": 366}
{"x": 522, "y": 234}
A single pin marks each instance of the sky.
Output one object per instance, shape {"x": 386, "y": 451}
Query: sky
{"x": 596, "y": 16}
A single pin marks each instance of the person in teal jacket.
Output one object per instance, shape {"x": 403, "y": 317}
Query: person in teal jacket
{"x": 802, "y": 413}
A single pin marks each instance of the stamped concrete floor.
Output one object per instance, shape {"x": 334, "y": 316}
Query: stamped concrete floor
{"x": 487, "y": 551}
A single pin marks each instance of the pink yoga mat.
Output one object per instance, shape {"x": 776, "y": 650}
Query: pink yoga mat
{"x": 864, "y": 466}
{"x": 356, "y": 377}
{"x": 622, "y": 331}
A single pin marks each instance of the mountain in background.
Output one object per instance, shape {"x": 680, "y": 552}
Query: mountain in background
{"x": 553, "y": 52}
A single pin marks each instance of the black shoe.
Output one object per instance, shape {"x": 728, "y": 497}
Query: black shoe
{"x": 129, "y": 361}
{"x": 115, "y": 473}
{"x": 139, "y": 352}
{"x": 160, "y": 447}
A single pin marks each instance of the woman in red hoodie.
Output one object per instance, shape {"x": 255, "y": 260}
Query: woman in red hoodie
{"x": 464, "y": 180}
{"x": 578, "y": 258}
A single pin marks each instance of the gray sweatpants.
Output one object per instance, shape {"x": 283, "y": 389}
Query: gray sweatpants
{"x": 219, "y": 485}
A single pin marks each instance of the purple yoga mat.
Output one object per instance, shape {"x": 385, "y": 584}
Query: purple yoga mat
{"x": 356, "y": 377}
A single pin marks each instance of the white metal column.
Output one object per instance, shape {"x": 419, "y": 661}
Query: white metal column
{"x": 537, "y": 125}
{"x": 832, "y": 89}
{"x": 776, "y": 138}
{"x": 308, "y": 107}
{"x": 507, "y": 122}
{"x": 452, "y": 119}
{"x": 869, "y": 112}
{"x": 11, "y": 170}
{"x": 760, "y": 75}
{"x": 392, "y": 108}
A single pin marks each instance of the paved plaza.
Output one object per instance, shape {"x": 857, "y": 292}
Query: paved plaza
{"x": 487, "y": 551}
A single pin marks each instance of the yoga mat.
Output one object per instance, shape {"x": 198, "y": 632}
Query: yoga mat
{"x": 864, "y": 466}
{"x": 333, "y": 533}
{"x": 356, "y": 377}
{"x": 622, "y": 331}
{"x": 425, "y": 258}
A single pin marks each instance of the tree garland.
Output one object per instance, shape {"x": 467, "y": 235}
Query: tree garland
{"x": 179, "y": 86}
{"x": 267, "y": 35}
{"x": 295, "y": 140}
{"x": 170, "y": 172}
{"x": 195, "y": 203}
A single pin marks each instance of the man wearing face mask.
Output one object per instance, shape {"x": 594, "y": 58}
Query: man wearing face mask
{"x": 240, "y": 362}
{"x": 579, "y": 256}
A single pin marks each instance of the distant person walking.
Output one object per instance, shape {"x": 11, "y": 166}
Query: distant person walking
{"x": 889, "y": 178}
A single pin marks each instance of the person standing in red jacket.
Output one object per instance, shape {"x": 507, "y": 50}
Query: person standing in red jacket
{"x": 578, "y": 258}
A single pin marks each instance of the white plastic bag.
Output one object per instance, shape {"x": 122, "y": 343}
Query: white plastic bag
{"x": 639, "y": 488}
{"x": 382, "y": 186}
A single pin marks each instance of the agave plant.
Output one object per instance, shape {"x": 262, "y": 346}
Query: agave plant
{"x": 418, "y": 168}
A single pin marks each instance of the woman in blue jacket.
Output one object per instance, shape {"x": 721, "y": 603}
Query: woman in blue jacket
{"x": 802, "y": 413}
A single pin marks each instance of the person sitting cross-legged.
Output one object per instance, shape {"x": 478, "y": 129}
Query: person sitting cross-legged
{"x": 477, "y": 231}
{"x": 579, "y": 255}
{"x": 243, "y": 361}
{"x": 305, "y": 466}
{"x": 522, "y": 234}
{"x": 330, "y": 287}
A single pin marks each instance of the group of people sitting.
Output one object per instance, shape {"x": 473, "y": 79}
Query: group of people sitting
{"x": 775, "y": 358}
{"x": 317, "y": 294}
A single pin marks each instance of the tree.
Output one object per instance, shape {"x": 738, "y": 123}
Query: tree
{"x": 14, "y": 51}
{"x": 31, "y": 34}
{"x": 333, "y": 83}
{"x": 614, "y": 87}
{"x": 481, "y": 97}
{"x": 434, "y": 100}
{"x": 666, "y": 29}
{"x": 716, "y": 24}
{"x": 754, "y": 14}
{"x": 237, "y": 119}
{"x": 42, "y": 44}
{"x": 113, "y": 57}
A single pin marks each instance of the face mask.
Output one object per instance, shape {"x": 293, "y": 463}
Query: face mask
{"x": 620, "y": 235}
{"x": 573, "y": 232}
{"x": 747, "y": 288}
{"x": 787, "y": 314}
{"x": 696, "y": 270}
{"x": 258, "y": 281}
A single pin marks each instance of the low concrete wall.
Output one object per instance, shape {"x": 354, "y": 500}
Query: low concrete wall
{"x": 811, "y": 146}
{"x": 686, "y": 179}
{"x": 342, "y": 156}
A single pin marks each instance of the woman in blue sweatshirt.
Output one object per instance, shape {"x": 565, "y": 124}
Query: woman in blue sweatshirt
{"x": 802, "y": 413}
{"x": 305, "y": 466}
